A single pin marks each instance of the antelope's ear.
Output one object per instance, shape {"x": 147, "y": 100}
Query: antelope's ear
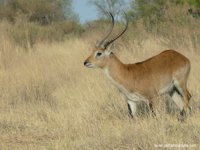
{"x": 109, "y": 49}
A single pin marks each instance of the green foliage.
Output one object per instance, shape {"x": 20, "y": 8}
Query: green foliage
{"x": 195, "y": 3}
{"x": 176, "y": 25}
{"x": 40, "y": 11}
{"x": 35, "y": 21}
{"x": 26, "y": 34}
{"x": 153, "y": 12}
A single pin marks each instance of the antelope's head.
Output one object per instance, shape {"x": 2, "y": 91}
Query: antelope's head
{"x": 102, "y": 50}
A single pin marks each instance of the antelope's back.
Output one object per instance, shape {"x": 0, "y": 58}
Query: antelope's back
{"x": 169, "y": 61}
{"x": 164, "y": 67}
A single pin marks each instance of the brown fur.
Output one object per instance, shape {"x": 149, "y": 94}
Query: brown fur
{"x": 149, "y": 77}
{"x": 153, "y": 73}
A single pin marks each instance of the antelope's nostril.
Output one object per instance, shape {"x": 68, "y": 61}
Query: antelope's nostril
{"x": 85, "y": 62}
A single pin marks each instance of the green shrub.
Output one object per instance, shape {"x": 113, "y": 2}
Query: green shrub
{"x": 33, "y": 21}
{"x": 41, "y": 11}
{"x": 25, "y": 34}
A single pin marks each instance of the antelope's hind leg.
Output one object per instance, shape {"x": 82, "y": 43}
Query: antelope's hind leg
{"x": 181, "y": 89}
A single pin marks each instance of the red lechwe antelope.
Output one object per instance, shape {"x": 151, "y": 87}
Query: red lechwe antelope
{"x": 165, "y": 73}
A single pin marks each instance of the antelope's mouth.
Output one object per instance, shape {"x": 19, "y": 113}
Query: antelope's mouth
{"x": 89, "y": 65}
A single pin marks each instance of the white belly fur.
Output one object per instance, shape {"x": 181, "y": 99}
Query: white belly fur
{"x": 133, "y": 96}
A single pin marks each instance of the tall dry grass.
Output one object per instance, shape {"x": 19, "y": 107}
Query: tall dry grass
{"x": 48, "y": 100}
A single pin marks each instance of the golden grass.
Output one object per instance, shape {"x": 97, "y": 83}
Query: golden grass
{"x": 49, "y": 100}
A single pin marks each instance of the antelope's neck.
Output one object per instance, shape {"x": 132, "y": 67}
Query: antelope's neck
{"x": 123, "y": 77}
{"x": 117, "y": 72}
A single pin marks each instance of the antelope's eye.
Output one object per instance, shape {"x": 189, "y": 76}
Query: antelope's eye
{"x": 98, "y": 54}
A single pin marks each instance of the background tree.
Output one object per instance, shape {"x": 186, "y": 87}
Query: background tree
{"x": 66, "y": 7}
{"x": 30, "y": 21}
{"x": 104, "y": 6}
{"x": 151, "y": 11}
{"x": 41, "y": 11}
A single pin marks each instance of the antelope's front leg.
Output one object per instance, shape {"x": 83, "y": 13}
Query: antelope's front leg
{"x": 132, "y": 108}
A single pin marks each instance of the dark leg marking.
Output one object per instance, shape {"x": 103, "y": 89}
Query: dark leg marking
{"x": 152, "y": 111}
{"x": 182, "y": 116}
{"x": 179, "y": 93}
